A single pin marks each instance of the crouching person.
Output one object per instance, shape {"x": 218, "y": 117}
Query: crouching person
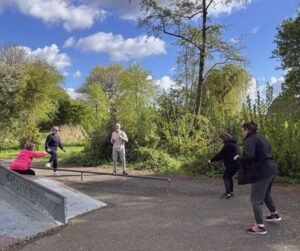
{"x": 24, "y": 159}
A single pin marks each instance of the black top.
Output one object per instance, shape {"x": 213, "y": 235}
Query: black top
{"x": 229, "y": 150}
{"x": 258, "y": 151}
{"x": 52, "y": 142}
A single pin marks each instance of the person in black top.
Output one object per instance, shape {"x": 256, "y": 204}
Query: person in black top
{"x": 51, "y": 144}
{"x": 257, "y": 153}
{"x": 229, "y": 150}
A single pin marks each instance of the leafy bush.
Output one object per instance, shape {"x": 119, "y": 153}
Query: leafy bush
{"x": 156, "y": 160}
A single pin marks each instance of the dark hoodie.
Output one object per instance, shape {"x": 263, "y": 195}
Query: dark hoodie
{"x": 257, "y": 150}
{"x": 229, "y": 150}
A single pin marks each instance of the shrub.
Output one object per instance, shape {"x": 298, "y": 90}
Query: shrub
{"x": 157, "y": 160}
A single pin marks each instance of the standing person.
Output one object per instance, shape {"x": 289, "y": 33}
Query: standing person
{"x": 51, "y": 144}
{"x": 229, "y": 150}
{"x": 24, "y": 159}
{"x": 257, "y": 152}
{"x": 118, "y": 139}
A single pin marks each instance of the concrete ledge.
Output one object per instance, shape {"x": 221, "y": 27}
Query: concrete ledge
{"x": 34, "y": 193}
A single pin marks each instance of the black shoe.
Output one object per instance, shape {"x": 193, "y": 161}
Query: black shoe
{"x": 255, "y": 229}
{"x": 114, "y": 172}
{"x": 125, "y": 173}
{"x": 273, "y": 217}
{"x": 228, "y": 196}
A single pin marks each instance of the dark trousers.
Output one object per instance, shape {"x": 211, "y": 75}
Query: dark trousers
{"x": 53, "y": 159}
{"x": 227, "y": 177}
{"x": 260, "y": 193}
{"x": 27, "y": 172}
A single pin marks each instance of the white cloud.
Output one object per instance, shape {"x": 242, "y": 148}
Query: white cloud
{"x": 121, "y": 49}
{"x": 255, "y": 30}
{"x": 220, "y": 7}
{"x": 77, "y": 74}
{"x": 234, "y": 40}
{"x": 51, "y": 54}
{"x": 72, "y": 92}
{"x": 165, "y": 83}
{"x": 130, "y": 10}
{"x": 68, "y": 12}
{"x": 275, "y": 82}
{"x": 69, "y": 42}
{"x": 4, "y": 4}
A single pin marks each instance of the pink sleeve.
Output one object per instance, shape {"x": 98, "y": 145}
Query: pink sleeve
{"x": 38, "y": 154}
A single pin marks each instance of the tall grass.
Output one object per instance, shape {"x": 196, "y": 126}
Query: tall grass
{"x": 72, "y": 135}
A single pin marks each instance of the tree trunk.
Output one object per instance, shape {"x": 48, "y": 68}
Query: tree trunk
{"x": 199, "y": 95}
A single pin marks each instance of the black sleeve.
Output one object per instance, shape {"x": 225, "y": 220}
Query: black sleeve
{"x": 249, "y": 150}
{"x": 220, "y": 155}
{"x": 47, "y": 142}
{"x": 60, "y": 145}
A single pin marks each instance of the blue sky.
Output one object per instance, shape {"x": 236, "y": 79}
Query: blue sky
{"x": 76, "y": 35}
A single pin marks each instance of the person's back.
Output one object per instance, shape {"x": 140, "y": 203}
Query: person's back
{"x": 231, "y": 150}
{"x": 263, "y": 158}
{"x": 24, "y": 158}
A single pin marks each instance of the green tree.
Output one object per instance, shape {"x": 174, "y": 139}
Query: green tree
{"x": 288, "y": 51}
{"x": 105, "y": 77}
{"x": 134, "y": 104}
{"x": 189, "y": 21}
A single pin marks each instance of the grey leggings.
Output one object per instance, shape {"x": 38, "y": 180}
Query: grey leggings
{"x": 260, "y": 193}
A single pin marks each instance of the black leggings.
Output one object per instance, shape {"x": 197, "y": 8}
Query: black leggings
{"x": 227, "y": 177}
{"x": 53, "y": 159}
{"x": 26, "y": 172}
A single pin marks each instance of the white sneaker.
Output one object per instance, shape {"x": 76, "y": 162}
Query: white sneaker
{"x": 48, "y": 165}
{"x": 56, "y": 173}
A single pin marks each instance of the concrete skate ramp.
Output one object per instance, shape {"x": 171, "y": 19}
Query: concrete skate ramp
{"x": 30, "y": 205}
{"x": 77, "y": 203}
{"x": 35, "y": 194}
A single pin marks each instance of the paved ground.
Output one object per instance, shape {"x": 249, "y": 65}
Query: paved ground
{"x": 143, "y": 215}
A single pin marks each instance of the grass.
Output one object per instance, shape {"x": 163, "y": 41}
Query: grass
{"x": 12, "y": 154}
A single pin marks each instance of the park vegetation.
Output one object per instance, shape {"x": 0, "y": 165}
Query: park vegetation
{"x": 171, "y": 130}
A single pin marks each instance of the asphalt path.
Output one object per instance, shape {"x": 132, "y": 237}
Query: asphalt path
{"x": 144, "y": 215}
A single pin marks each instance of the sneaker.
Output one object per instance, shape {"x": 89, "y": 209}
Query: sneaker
{"x": 228, "y": 196}
{"x": 56, "y": 173}
{"x": 125, "y": 173}
{"x": 114, "y": 172}
{"x": 256, "y": 229}
{"x": 273, "y": 217}
{"x": 48, "y": 165}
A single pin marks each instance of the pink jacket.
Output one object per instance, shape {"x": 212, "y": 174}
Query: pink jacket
{"x": 24, "y": 159}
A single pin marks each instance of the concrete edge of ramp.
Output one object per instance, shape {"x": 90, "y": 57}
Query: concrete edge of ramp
{"x": 34, "y": 193}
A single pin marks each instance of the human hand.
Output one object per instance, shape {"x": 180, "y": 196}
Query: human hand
{"x": 49, "y": 150}
{"x": 209, "y": 161}
{"x": 236, "y": 157}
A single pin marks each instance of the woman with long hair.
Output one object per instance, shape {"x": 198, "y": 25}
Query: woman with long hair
{"x": 229, "y": 150}
{"x": 257, "y": 153}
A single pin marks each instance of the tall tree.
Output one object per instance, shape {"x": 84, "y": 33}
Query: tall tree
{"x": 105, "y": 77}
{"x": 288, "y": 51}
{"x": 135, "y": 103}
{"x": 189, "y": 21}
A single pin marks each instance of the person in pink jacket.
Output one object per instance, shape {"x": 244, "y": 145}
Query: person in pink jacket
{"x": 24, "y": 159}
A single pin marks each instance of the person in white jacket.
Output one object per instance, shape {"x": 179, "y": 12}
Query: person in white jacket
{"x": 118, "y": 139}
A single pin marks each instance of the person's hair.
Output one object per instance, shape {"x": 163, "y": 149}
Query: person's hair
{"x": 29, "y": 146}
{"x": 225, "y": 137}
{"x": 117, "y": 124}
{"x": 251, "y": 126}
{"x": 54, "y": 128}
